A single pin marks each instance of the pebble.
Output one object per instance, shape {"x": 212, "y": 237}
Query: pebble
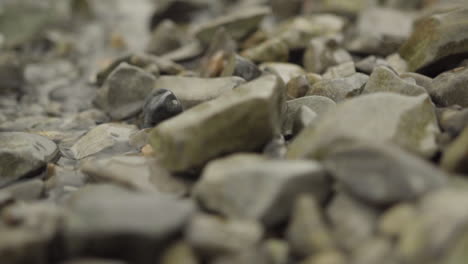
{"x": 227, "y": 123}
{"x": 248, "y": 186}
{"x": 384, "y": 79}
{"x": 124, "y": 91}
{"x": 339, "y": 89}
{"x": 381, "y": 117}
{"x": 24, "y": 155}
{"x": 395, "y": 176}
{"x": 191, "y": 91}
{"x": 160, "y": 105}
{"x": 109, "y": 138}
{"x": 448, "y": 88}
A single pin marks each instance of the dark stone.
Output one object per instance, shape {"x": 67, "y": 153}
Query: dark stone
{"x": 160, "y": 105}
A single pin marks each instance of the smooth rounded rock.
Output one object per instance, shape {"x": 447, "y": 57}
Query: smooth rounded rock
{"x": 160, "y": 105}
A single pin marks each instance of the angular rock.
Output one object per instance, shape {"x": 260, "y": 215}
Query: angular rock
{"x": 238, "y": 24}
{"x": 341, "y": 88}
{"x": 297, "y": 32}
{"x": 273, "y": 50}
{"x": 29, "y": 231}
{"x": 421, "y": 80}
{"x": 110, "y": 138}
{"x": 369, "y": 63}
{"x": 329, "y": 257}
{"x": 376, "y": 250}
{"x": 383, "y": 79}
{"x": 319, "y": 104}
{"x": 221, "y": 126}
{"x": 239, "y": 66}
{"x": 248, "y": 186}
{"x": 324, "y": 52}
{"x": 62, "y": 182}
{"x": 303, "y": 118}
{"x": 349, "y": 8}
{"x": 342, "y": 70}
{"x": 28, "y": 190}
{"x": 192, "y": 91}
{"x": 286, "y": 71}
{"x": 307, "y": 232}
{"x": 353, "y": 222}
{"x": 213, "y": 235}
{"x": 124, "y": 91}
{"x": 449, "y": 88}
{"x": 133, "y": 172}
{"x": 165, "y": 38}
{"x": 426, "y": 238}
{"x": 179, "y": 252}
{"x": 436, "y": 40}
{"x": 23, "y": 154}
{"x": 391, "y": 221}
{"x": 298, "y": 87}
{"x": 394, "y": 176}
{"x": 408, "y": 121}
{"x": 455, "y": 155}
{"x": 141, "y": 221}
{"x": 160, "y": 105}
{"x": 380, "y": 31}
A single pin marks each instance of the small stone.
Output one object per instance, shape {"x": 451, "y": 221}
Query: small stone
{"x": 28, "y": 190}
{"x": 297, "y": 32}
{"x": 368, "y": 64}
{"x": 166, "y": 37}
{"x": 341, "y": 88}
{"x": 179, "y": 252}
{"x": 329, "y": 257}
{"x": 191, "y": 91}
{"x": 160, "y": 105}
{"x": 142, "y": 221}
{"x": 340, "y": 71}
{"x": 23, "y": 155}
{"x": 133, "y": 172}
{"x": 299, "y": 86}
{"x": 273, "y": 50}
{"x": 421, "y": 80}
{"x": 249, "y": 186}
{"x": 303, "y": 118}
{"x": 110, "y": 138}
{"x": 376, "y": 250}
{"x": 455, "y": 155}
{"x": 241, "y": 67}
{"x": 319, "y": 104}
{"x": 307, "y": 232}
{"x": 11, "y": 75}
{"x": 394, "y": 176}
{"x": 353, "y": 222}
{"x": 124, "y": 91}
{"x": 437, "y": 37}
{"x": 349, "y": 8}
{"x": 276, "y": 149}
{"x": 408, "y": 121}
{"x": 147, "y": 62}
{"x": 452, "y": 120}
{"x": 397, "y": 63}
{"x": 391, "y": 222}
{"x": 380, "y": 31}
{"x": 286, "y": 71}
{"x": 383, "y": 79}
{"x": 93, "y": 261}
{"x": 220, "y": 126}
{"x": 324, "y": 52}
{"x": 211, "y": 235}
{"x": 449, "y": 88}
{"x": 29, "y": 231}
{"x": 62, "y": 182}
{"x": 238, "y": 24}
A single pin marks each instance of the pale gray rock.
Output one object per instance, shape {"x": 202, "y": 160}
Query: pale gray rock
{"x": 249, "y": 186}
